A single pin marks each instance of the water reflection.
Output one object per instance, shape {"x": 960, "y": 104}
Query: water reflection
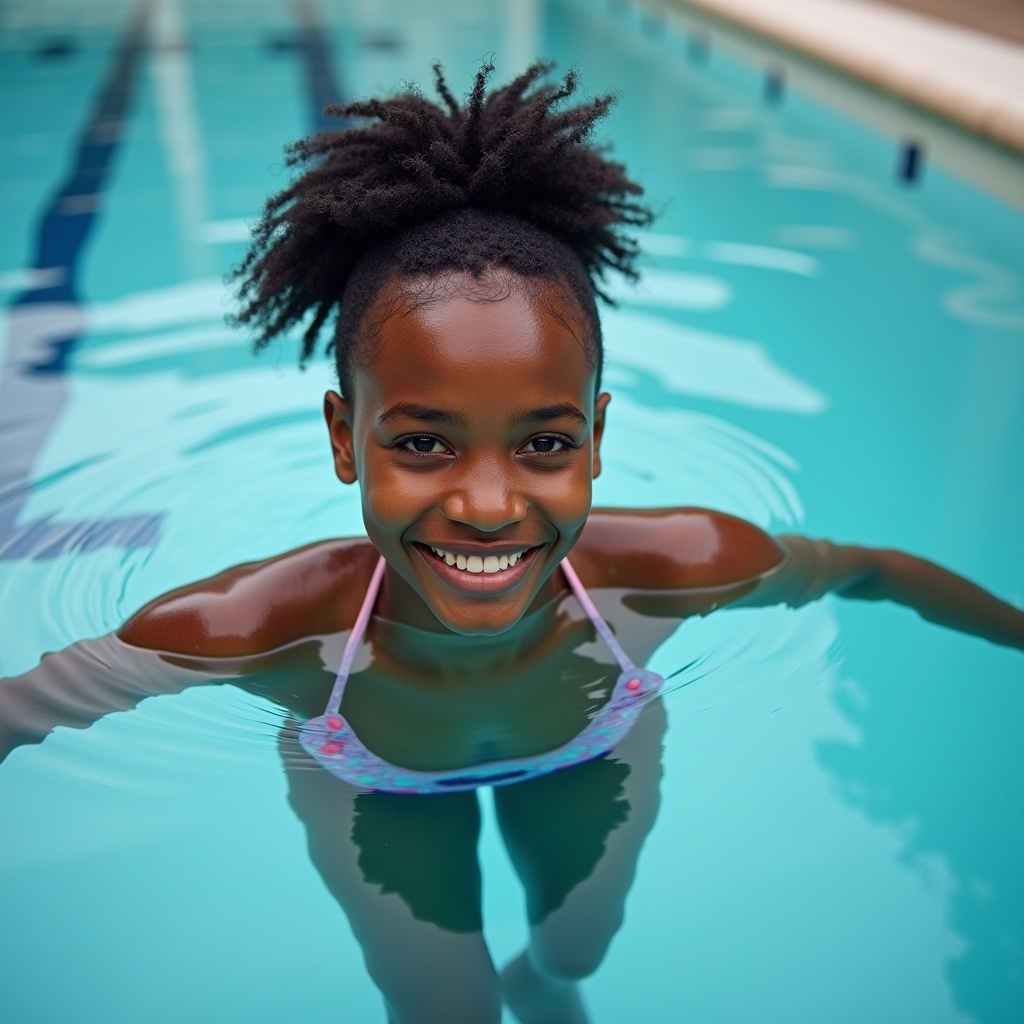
{"x": 957, "y": 700}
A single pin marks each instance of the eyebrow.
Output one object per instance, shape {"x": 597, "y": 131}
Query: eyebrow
{"x": 552, "y": 412}
{"x": 428, "y": 414}
{"x": 421, "y": 412}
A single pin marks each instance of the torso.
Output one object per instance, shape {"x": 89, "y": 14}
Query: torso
{"x": 285, "y": 621}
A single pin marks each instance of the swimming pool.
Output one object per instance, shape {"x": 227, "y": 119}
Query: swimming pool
{"x": 818, "y": 344}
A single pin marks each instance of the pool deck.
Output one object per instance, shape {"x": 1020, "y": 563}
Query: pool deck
{"x": 971, "y": 78}
{"x": 1004, "y": 18}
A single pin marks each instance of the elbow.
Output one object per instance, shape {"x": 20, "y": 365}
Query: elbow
{"x": 874, "y": 573}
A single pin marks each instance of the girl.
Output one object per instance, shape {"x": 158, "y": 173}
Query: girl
{"x": 489, "y": 626}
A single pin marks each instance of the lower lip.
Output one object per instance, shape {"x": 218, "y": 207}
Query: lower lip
{"x": 479, "y": 582}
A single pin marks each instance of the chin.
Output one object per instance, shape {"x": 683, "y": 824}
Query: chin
{"x": 479, "y": 618}
{"x": 475, "y": 625}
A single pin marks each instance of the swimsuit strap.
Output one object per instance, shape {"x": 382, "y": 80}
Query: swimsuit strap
{"x": 366, "y": 610}
{"x": 354, "y": 638}
{"x": 602, "y": 627}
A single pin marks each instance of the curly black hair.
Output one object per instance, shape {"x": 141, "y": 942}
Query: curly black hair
{"x": 508, "y": 181}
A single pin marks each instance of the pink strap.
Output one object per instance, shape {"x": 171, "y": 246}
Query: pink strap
{"x": 354, "y": 638}
{"x": 596, "y": 618}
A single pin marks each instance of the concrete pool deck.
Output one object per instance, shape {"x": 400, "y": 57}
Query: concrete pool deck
{"x": 1003, "y": 18}
{"x": 970, "y": 78}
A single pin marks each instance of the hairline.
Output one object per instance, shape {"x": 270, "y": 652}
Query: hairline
{"x": 405, "y": 293}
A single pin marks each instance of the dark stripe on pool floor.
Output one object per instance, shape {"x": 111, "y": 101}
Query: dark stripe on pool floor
{"x": 45, "y": 324}
{"x": 322, "y": 86}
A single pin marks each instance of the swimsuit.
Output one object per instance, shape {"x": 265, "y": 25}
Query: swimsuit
{"x": 332, "y": 742}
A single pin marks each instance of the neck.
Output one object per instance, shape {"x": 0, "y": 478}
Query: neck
{"x": 420, "y": 640}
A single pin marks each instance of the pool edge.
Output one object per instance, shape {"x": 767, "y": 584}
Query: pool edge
{"x": 993, "y": 110}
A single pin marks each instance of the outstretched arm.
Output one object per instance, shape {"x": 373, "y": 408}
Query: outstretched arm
{"x": 690, "y": 561}
{"x": 79, "y": 685}
{"x": 812, "y": 568}
{"x": 251, "y": 624}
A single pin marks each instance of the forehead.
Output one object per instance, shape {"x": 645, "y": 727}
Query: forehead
{"x": 509, "y": 341}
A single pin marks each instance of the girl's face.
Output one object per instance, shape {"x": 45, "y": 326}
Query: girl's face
{"x": 473, "y": 430}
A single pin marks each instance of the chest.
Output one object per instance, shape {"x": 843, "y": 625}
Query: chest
{"x": 452, "y": 714}
{"x": 479, "y": 716}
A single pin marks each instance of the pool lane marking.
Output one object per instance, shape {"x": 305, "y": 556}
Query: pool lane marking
{"x": 521, "y": 35}
{"x": 46, "y": 322}
{"x": 171, "y": 69}
{"x": 322, "y": 86}
{"x": 322, "y": 89}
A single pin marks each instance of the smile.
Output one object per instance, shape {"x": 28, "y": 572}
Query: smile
{"x": 488, "y": 564}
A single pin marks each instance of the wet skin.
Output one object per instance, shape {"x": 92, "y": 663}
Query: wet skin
{"x": 473, "y": 426}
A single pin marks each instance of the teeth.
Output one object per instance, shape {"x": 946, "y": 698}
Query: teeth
{"x": 477, "y": 563}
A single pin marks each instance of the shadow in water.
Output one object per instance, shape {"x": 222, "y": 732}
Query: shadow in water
{"x": 404, "y": 869}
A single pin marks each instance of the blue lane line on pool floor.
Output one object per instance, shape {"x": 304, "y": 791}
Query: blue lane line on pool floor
{"x": 45, "y": 323}
{"x": 322, "y": 87}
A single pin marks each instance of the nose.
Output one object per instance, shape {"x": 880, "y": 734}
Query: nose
{"x": 485, "y": 498}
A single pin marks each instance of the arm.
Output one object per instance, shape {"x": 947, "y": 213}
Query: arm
{"x": 690, "y": 561}
{"x": 79, "y": 685}
{"x": 812, "y": 568}
{"x": 244, "y": 624}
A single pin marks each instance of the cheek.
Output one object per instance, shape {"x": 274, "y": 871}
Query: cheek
{"x": 389, "y": 503}
{"x": 564, "y": 497}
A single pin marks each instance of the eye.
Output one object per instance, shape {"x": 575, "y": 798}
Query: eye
{"x": 547, "y": 444}
{"x": 423, "y": 444}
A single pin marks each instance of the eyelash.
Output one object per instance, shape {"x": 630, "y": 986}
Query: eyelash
{"x": 567, "y": 445}
{"x": 403, "y": 442}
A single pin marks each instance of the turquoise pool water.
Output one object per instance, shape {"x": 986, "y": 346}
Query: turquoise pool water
{"x": 818, "y": 345}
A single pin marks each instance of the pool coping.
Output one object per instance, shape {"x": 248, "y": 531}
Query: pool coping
{"x": 969, "y": 78}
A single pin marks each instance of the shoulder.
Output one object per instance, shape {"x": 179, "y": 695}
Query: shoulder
{"x": 259, "y": 606}
{"x": 673, "y": 549}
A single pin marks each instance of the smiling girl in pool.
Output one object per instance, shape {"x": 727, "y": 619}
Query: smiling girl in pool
{"x": 460, "y": 250}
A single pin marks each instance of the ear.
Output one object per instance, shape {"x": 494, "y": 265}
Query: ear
{"x": 338, "y": 414}
{"x": 600, "y": 405}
